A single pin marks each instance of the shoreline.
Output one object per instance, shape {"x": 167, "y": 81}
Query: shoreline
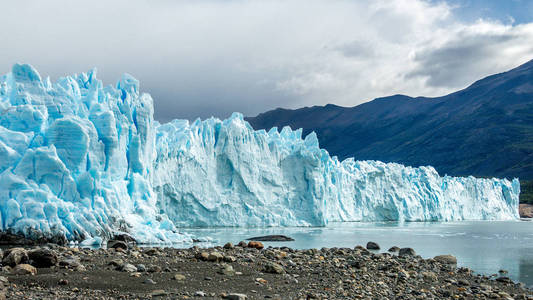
{"x": 244, "y": 271}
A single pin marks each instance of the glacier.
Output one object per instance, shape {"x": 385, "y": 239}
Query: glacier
{"x": 83, "y": 161}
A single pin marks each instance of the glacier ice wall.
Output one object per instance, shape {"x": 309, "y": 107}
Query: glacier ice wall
{"x": 81, "y": 160}
{"x": 75, "y": 158}
{"x": 227, "y": 174}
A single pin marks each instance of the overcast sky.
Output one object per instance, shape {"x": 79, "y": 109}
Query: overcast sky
{"x": 203, "y": 58}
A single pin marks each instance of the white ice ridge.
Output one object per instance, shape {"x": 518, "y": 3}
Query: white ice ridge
{"x": 223, "y": 173}
{"x": 81, "y": 160}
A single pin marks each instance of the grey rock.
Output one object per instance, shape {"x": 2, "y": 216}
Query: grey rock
{"x": 235, "y": 296}
{"x": 227, "y": 270}
{"x": 446, "y": 259}
{"x": 154, "y": 269}
{"x": 43, "y": 258}
{"x": 15, "y": 256}
{"x": 372, "y": 246}
{"x": 215, "y": 256}
{"x": 24, "y": 269}
{"x": 116, "y": 262}
{"x": 179, "y": 277}
{"x": 199, "y": 294}
{"x": 394, "y": 249}
{"x": 158, "y": 293}
{"x": 273, "y": 268}
{"x": 140, "y": 268}
{"x": 406, "y": 252}
{"x": 70, "y": 261}
{"x": 117, "y": 244}
{"x": 271, "y": 238}
{"x": 128, "y": 268}
{"x": 504, "y": 279}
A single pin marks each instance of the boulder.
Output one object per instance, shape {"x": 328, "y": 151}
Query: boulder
{"x": 117, "y": 245}
{"x": 394, "y": 249}
{"x": 215, "y": 256}
{"x": 256, "y": 245}
{"x": 446, "y": 259}
{"x": 372, "y": 246}
{"x": 70, "y": 262}
{"x": 406, "y": 252}
{"x": 128, "y": 268}
{"x": 24, "y": 269}
{"x": 273, "y": 268}
{"x": 271, "y": 238}
{"x": 43, "y": 258}
{"x": 15, "y": 256}
{"x": 124, "y": 237}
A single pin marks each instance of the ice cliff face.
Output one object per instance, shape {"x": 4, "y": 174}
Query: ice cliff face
{"x": 76, "y": 157}
{"x": 230, "y": 175}
{"x": 81, "y": 160}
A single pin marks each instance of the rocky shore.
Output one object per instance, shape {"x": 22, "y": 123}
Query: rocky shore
{"x": 243, "y": 271}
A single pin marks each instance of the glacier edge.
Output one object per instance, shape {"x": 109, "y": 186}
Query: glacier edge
{"x": 83, "y": 160}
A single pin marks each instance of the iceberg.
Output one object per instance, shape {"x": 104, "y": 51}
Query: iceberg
{"x": 83, "y": 161}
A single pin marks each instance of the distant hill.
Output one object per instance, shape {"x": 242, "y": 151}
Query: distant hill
{"x": 484, "y": 130}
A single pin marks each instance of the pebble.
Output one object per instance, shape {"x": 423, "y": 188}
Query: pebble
{"x": 227, "y": 270}
{"x": 273, "y": 268}
{"x": 154, "y": 269}
{"x": 236, "y": 296}
{"x": 199, "y": 294}
{"x": 140, "y": 268}
{"x": 158, "y": 293}
{"x": 70, "y": 261}
{"x": 128, "y": 268}
{"x": 116, "y": 262}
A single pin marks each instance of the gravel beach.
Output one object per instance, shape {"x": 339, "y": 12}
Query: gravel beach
{"x": 243, "y": 271}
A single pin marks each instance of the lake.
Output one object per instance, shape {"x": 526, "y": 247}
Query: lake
{"x": 484, "y": 246}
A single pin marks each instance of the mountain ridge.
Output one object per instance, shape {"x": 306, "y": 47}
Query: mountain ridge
{"x": 484, "y": 130}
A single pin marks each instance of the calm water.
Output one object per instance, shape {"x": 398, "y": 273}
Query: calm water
{"x": 484, "y": 246}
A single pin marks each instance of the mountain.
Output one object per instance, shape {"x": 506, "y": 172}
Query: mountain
{"x": 485, "y": 130}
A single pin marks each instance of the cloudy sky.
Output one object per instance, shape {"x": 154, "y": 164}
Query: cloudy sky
{"x": 203, "y": 58}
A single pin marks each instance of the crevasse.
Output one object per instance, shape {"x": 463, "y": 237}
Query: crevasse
{"x": 81, "y": 160}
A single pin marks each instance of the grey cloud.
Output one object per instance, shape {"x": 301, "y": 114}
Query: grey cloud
{"x": 209, "y": 58}
{"x": 466, "y": 58}
{"x": 357, "y": 49}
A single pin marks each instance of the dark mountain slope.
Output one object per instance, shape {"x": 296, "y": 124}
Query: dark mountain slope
{"x": 484, "y": 130}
